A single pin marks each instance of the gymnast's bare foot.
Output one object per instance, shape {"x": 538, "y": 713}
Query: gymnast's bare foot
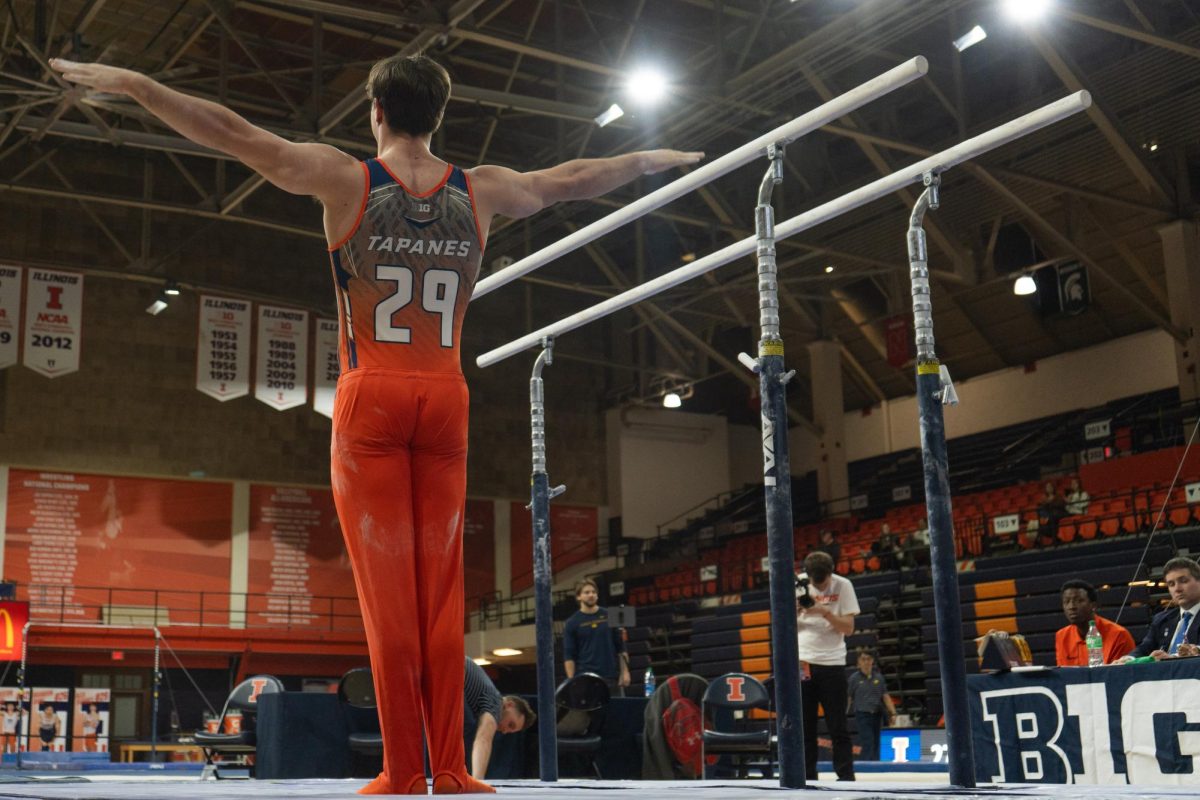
{"x": 449, "y": 783}
{"x": 383, "y": 785}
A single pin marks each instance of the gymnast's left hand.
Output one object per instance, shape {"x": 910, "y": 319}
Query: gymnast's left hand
{"x": 659, "y": 160}
{"x": 102, "y": 78}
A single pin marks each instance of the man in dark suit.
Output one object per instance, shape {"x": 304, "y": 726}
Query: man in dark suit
{"x": 1176, "y": 627}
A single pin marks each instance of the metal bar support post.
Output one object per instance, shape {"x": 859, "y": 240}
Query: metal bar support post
{"x": 543, "y": 602}
{"x": 154, "y": 695}
{"x": 777, "y": 486}
{"x": 934, "y": 389}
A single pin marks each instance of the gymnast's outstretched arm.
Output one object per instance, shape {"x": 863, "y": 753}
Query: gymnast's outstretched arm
{"x": 300, "y": 168}
{"x": 499, "y": 190}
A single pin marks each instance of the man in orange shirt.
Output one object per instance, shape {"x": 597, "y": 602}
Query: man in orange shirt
{"x": 1079, "y": 601}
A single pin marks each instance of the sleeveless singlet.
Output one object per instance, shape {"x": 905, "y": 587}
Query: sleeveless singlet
{"x": 405, "y": 272}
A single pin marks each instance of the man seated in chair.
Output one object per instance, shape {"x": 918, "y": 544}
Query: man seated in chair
{"x": 493, "y": 714}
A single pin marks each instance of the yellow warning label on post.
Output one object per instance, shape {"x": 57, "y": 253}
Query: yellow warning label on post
{"x": 770, "y": 348}
{"x": 929, "y": 368}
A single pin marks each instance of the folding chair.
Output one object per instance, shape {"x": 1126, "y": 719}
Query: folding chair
{"x": 244, "y": 741}
{"x": 735, "y": 691}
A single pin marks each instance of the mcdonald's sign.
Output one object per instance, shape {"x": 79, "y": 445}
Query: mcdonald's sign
{"x": 13, "y": 617}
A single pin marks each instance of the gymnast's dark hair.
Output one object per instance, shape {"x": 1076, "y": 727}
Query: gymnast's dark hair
{"x": 1075, "y": 583}
{"x": 412, "y": 90}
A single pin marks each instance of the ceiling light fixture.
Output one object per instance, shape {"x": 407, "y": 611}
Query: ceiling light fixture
{"x": 1026, "y": 10}
{"x": 613, "y": 112}
{"x": 505, "y": 652}
{"x": 158, "y": 306}
{"x": 973, "y": 36}
{"x": 647, "y": 85}
{"x": 1024, "y": 285}
{"x": 171, "y": 288}
{"x": 672, "y": 400}
{"x": 481, "y": 661}
{"x": 828, "y": 269}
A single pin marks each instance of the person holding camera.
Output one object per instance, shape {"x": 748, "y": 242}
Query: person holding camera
{"x": 825, "y": 609}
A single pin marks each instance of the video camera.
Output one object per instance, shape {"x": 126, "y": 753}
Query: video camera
{"x": 804, "y": 599}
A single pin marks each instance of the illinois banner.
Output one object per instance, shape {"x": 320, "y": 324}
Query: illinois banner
{"x": 89, "y": 731}
{"x": 325, "y": 366}
{"x": 281, "y": 372}
{"x": 223, "y": 348}
{"x": 10, "y": 314}
{"x": 48, "y": 730}
{"x": 13, "y": 616}
{"x": 53, "y": 322}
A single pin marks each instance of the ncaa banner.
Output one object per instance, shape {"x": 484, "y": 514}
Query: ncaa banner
{"x": 223, "y": 347}
{"x": 53, "y": 322}
{"x": 10, "y": 314}
{"x": 281, "y": 374}
{"x": 1132, "y": 724}
{"x": 325, "y": 366}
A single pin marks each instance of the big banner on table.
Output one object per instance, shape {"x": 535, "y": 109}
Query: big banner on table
{"x": 223, "y": 347}
{"x": 53, "y": 322}
{"x": 10, "y": 314}
{"x": 1135, "y": 724}
{"x": 67, "y": 532}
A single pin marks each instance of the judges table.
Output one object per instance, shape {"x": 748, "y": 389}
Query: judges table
{"x": 1135, "y": 724}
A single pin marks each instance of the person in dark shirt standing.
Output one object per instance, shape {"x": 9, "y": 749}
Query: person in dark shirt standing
{"x": 589, "y": 645}
{"x": 869, "y": 701}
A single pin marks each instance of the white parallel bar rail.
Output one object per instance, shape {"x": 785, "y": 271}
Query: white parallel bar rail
{"x": 964, "y": 151}
{"x": 822, "y": 115}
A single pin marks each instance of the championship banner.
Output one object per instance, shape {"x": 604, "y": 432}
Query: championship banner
{"x": 14, "y": 716}
{"x": 13, "y": 616}
{"x": 298, "y": 561}
{"x": 48, "y": 712}
{"x": 1133, "y": 724}
{"x": 89, "y": 731}
{"x": 325, "y": 366}
{"x": 10, "y": 314}
{"x": 223, "y": 347}
{"x": 53, "y": 322}
{"x": 281, "y": 374}
{"x": 86, "y": 546}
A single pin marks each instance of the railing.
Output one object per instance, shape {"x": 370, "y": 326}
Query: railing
{"x": 171, "y": 607}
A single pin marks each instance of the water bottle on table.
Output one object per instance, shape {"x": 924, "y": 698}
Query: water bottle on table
{"x": 1095, "y": 646}
{"x": 649, "y": 681}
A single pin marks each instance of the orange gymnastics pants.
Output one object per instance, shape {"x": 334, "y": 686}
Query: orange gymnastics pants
{"x": 399, "y": 457}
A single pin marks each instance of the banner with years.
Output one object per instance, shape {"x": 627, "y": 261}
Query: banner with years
{"x": 281, "y": 374}
{"x": 53, "y": 322}
{"x": 10, "y": 314}
{"x": 325, "y": 366}
{"x": 223, "y": 347}
{"x": 1133, "y": 724}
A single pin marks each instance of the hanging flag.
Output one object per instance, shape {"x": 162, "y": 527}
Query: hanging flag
{"x": 10, "y": 314}
{"x": 325, "y": 366}
{"x": 53, "y": 322}
{"x": 281, "y": 371}
{"x": 223, "y": 347}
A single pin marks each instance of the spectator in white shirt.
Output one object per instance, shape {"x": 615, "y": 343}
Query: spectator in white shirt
{"x": 1077, "y": 498}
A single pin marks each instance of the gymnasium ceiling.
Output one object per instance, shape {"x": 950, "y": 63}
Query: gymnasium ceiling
{"x": 530, "y": 76}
